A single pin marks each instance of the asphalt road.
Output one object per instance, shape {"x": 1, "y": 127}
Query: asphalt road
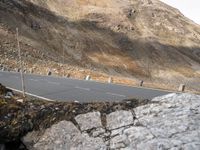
{"x": 64, "y": 89}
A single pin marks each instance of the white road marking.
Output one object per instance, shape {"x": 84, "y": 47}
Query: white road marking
{"x": 86, "y": 89}
{"x": 33, "y": 79}
{"x": 40, "y": 97}
{"x": 114, "y": 94}
{"x": 16, "y": 77}
{"x": 56, "y": 83}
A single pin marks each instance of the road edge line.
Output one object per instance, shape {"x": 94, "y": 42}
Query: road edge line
{"x": 40, "y": 97}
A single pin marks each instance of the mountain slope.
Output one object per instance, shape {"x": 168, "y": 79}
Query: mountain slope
{"x": 130, "y": 38}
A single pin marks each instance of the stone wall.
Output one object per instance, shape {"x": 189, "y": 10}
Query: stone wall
{"x": 168, "y": 122}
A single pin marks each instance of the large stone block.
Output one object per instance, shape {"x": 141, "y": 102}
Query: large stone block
{"x": 65, "y": 136}
{"x": 89, "y": 121}
{"x": 119, "y": 119}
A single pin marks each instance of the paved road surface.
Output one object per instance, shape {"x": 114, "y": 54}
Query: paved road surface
{"x": 65, "y": 89}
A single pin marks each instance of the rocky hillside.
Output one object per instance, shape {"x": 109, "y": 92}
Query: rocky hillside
{"x": 129, "y": 38}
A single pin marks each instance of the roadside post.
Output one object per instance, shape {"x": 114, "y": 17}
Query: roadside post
{"x": 181, "y": 88}
{"x": 110, "y": 80}
{"x": 141, "y": 83}
{"x": 88, "y": 77}
{"x": 21, "y": 63}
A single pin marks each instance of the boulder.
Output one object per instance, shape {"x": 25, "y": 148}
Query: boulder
{"x": 63, "y": 136}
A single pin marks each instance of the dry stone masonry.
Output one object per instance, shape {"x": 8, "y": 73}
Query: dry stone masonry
{"x": 169, "y": 122}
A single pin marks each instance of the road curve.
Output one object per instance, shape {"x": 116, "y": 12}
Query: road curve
{"x": 65, "y": 89}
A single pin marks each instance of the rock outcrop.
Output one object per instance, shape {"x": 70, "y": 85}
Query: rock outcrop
{"x": 168, "y": 122}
